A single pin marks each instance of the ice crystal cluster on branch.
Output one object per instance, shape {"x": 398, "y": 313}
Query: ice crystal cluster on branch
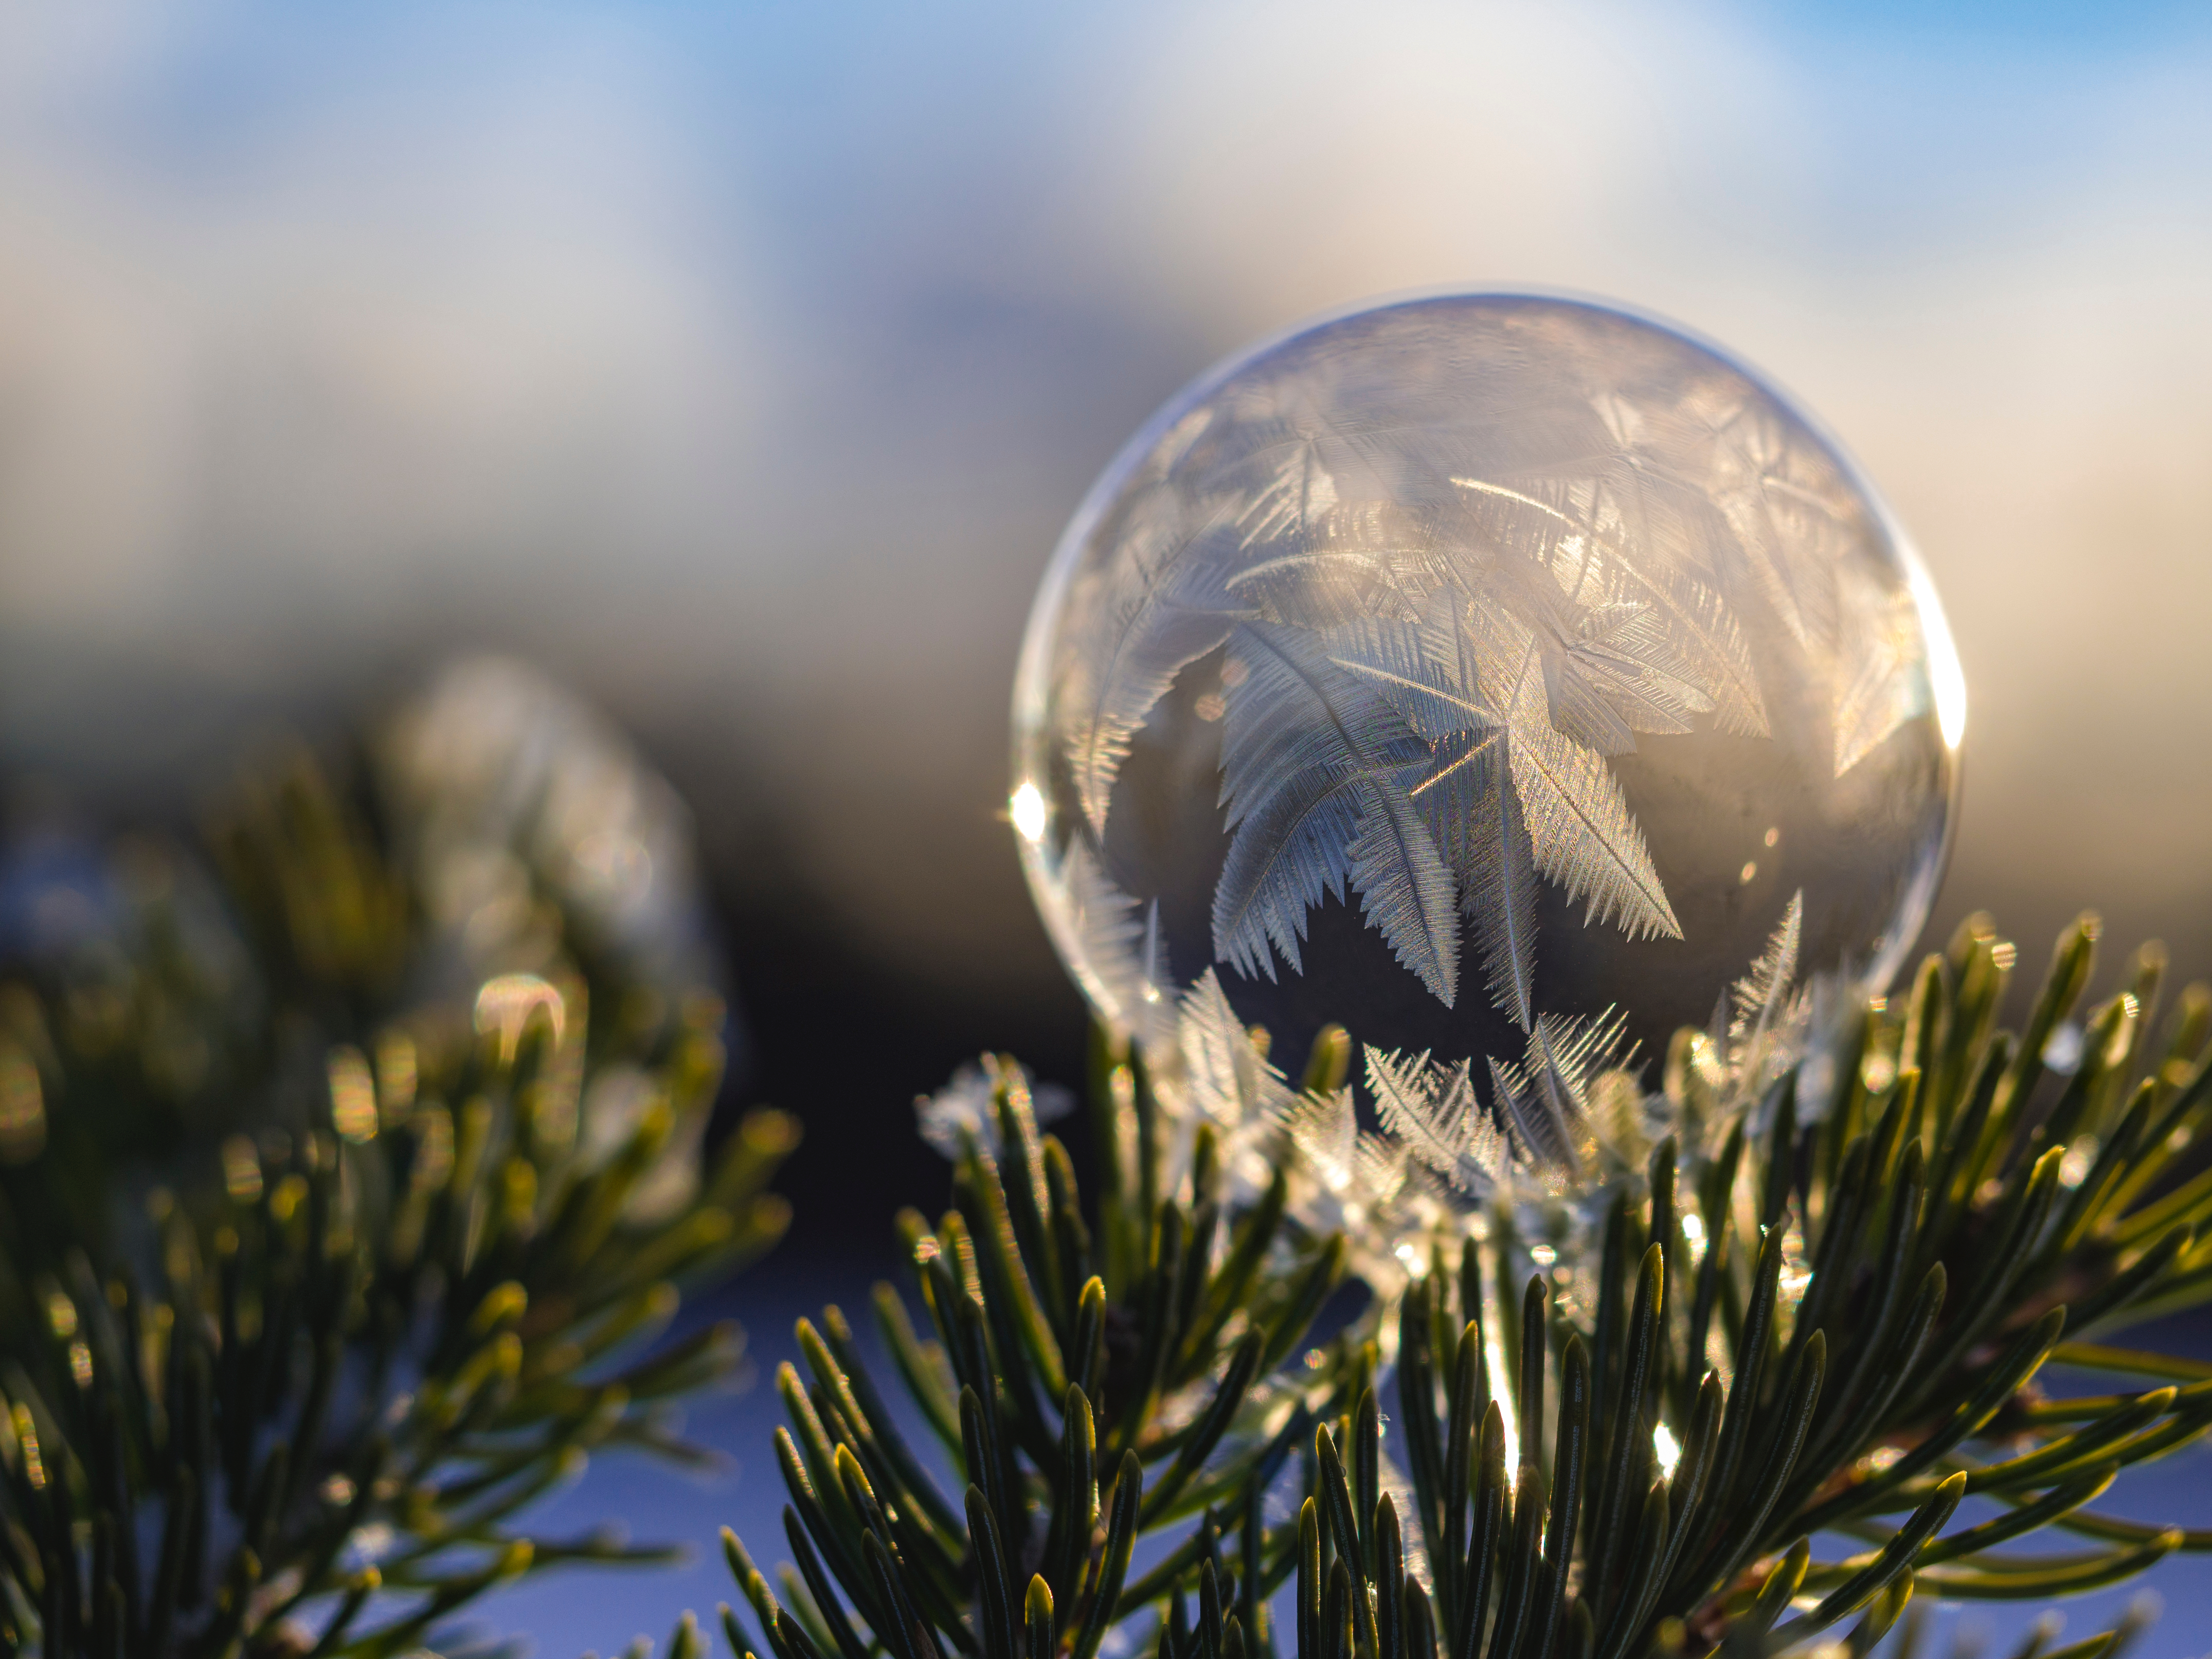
{"x": 1550, "y": 1137}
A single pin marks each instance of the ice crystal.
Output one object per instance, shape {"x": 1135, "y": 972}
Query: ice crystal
{"x": 1432, "y": 1109}
{"x": 967, "y": 1107}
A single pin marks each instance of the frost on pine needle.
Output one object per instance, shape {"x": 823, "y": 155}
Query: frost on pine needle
{"x": 1771, "y": 1322}
{"x": 965, "y": 1111}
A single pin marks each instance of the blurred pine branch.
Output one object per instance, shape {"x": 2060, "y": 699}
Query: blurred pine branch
{"x": 334, "y": 1229}
{"x": 1808, "y": 1324}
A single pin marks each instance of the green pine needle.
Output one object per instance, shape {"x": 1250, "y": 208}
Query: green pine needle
{"x": 1825, "y": 1317}
{"x": 312, "y": 1282}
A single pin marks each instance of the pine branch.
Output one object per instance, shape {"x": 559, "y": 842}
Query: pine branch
{"x": 1801, "y": 1316}
{"x": 329, "y": 1240}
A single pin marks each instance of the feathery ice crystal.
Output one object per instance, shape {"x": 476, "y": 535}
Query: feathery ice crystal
{"x": 1512, "y": 681}
{"x": 1568, "y": 1122}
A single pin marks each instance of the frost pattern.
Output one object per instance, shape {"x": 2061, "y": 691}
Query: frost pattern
{"x": 1561, "y": 1122}
{"x": 1438, "y": 623}
{"x": 1764, "y": 1035}
{"x": 1761, "y": 996}
{"x": 1561, "y": 1126}
{"x": 1548, "y": 1095}
{"x": 1432, "y": 1109}
{"x": 1119, "y": 942}
{"x": 1314, "y": 773}
{"x": 967, "y": 1107}
{"x": 1882, "y": 693}
{"x": 1228, "y": 1078}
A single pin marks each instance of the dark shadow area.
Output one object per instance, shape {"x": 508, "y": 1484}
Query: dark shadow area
{"x": 847, "y": 1045}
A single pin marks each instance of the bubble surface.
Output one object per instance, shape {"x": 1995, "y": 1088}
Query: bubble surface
{"x": 1511, "y": 680}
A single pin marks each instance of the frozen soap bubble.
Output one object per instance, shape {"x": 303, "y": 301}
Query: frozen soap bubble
{"x": 1509, "y": 680}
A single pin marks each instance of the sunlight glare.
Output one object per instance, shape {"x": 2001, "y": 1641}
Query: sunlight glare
{"x": 1028, "y": 813}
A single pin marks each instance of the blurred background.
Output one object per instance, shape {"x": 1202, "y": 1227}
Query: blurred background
{"x": 740, "y": 363}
